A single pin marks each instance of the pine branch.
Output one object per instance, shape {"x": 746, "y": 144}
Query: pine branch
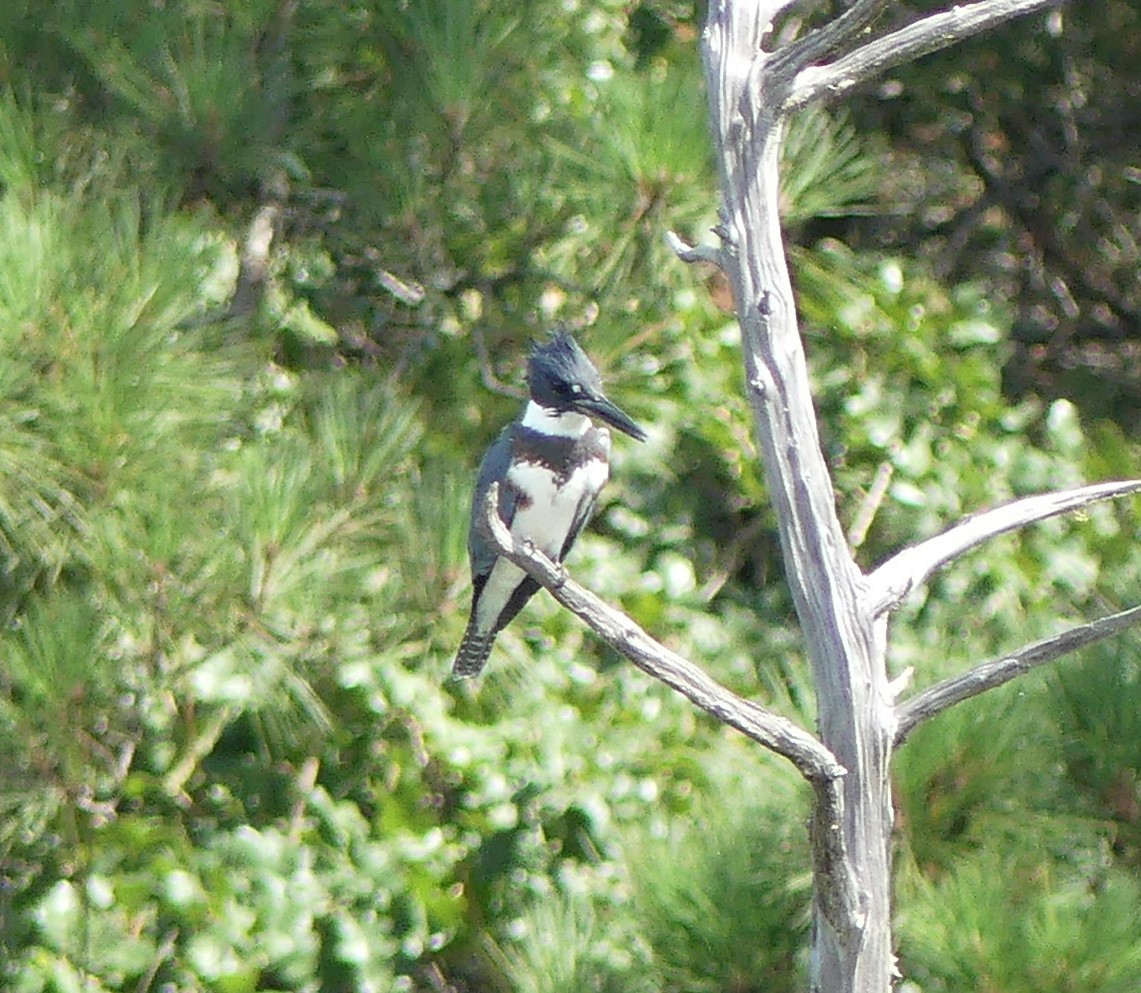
{"x": 942, "y": 696}
{"x": 899, "y": 575}
{"x": 818, "y": 84}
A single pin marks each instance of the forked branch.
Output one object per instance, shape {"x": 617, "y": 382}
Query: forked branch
{"x": 944, "y": 695}
{"x": 899, "y": 575}
{"x": 777, "y": 733}
{"x": 837, "y": 885}
{"x": 819, "y": 84}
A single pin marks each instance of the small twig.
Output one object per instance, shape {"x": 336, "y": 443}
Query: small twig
{"x": 815, "y": 762}
{"x": 901, "y": 682}
{"x": 162, "y": 953}
{"x": 253, "y": 271}
{"x": 988, "y": 675}
{"x": 732, "y": 558}
{"x": 436, "y": 979}
{"x": 411, "y": 294}
{"x": 870, "y": 505}
{"x": 819, "y": 84}
{"x": 694, "y": 253}
{"x": 486, "y": 371}
{"x": 899, "y": 575}
{"x": 278, "y": 86}
{"x": 200, "y": 746}
{"x": 306, "y": 780}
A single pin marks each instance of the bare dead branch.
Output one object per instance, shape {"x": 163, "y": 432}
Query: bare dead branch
{"x": 852, "y": 949}
{"x": 777, "y": 733}
{"x": 694, "y": 253}
{"x": 410, "y": 293}
{"x": 899, "y": 575}
{"x": 820, "y": 84}
{"x": 828, "y": 38}
{"x": 837, "y": 892}
{"x": 487, "y": 368}
{"x": 253, "y": 271}
{"x": 944, "y": 695}
{"x": 870, "y": 505}
{"x": 755, "y": 80}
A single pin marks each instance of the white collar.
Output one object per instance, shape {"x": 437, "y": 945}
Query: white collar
{"x": 557, "y": 424}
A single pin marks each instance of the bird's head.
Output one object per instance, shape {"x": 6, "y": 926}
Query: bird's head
{"x": 564, "y": 380}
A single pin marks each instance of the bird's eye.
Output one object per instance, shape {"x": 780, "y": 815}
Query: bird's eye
{"x": 575, "y": 389}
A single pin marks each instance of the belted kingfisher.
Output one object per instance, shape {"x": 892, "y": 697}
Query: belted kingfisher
{"x": 551, "y": 465}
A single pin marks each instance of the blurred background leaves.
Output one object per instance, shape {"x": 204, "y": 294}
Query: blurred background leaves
{"x": 232, "y": 542}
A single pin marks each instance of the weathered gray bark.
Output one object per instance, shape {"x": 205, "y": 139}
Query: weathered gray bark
{"x": 751, "y": 91}
{"x": 842, "y": 612}
{"x": 852, "y": 942}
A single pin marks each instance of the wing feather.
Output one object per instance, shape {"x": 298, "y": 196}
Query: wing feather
{"x": 493, "y": 467}
{"x": 586, "y": 505}
{"x": 582, "y": 515}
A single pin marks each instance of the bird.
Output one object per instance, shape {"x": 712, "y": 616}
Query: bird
{"x": 550, "y": 463}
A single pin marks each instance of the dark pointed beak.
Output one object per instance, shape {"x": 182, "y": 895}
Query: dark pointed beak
{"x": 598, "y": 406}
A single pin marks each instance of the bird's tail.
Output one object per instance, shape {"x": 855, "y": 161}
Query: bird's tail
{"x": 473, "y": 653}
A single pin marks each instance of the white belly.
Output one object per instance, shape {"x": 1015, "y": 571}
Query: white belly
{"x": 545, "y": 520}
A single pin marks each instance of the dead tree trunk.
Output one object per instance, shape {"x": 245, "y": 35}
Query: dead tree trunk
{"x": 852, "y": 942}
{"x": 752, "y": 91}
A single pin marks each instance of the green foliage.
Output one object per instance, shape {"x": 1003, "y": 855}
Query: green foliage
{"x": 247, "y": 909}
{"x": 743, "y": 859}
{"x": 909, "y": 385}
{"x": 1007, "y": 159}
{"x": 1021, "y": 924}
{"x": 827, "y": 171}
{"x": 55, "y": 657}
{"x": 232, "y": 554}
{"x": 982, "y": 775}
{"x": 455, "y": 53}
{"x": 674, "y": 923}
{"x": 563, "y": 947}
{"x": 176, "y": 76}
{"x": 1098, "y": 701}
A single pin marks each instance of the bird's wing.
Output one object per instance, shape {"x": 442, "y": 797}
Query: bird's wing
{"x": 493, "y": 467}
{"x": 582, "y": 515}
{"x": 586, "y": 505}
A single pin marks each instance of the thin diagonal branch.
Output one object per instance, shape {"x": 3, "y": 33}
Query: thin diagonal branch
{"x": 825, "y": 40}
{"x": 944, "y": 695}
{"x": 800, "y": 747}
{"x": 899, "y": 575}
{"x": 871, "y": 504}
{"x": 818, "y": 84}
{"x": 839, "y": 893}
